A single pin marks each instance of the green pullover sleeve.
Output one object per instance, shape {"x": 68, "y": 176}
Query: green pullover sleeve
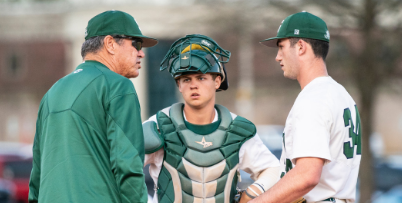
{"x": 34, "y": 182}
{"x": 125, "y": 137}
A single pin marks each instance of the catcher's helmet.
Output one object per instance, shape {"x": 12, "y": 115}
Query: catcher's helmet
{"x": 194, "y": 54}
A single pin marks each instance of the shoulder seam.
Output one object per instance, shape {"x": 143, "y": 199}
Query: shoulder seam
{"x": 85, "y": 89}
{"x": 107, "y": 81}
{"x": 119, "y": 95}
{"x": 47, "y": 106}
{"x": 118, "y": 126}
{"x": 108, "y": 90}
{"x": 96, "y": 130}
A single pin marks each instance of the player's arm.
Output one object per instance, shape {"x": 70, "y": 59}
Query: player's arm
{"x": 153, "y": 144}
{"x": 296, "y": 183}
{"x": 153, "y": 140}
{"x": 309, "y": 133}
{"x": 265, "y": 180}
{"x": 257, "y": 160}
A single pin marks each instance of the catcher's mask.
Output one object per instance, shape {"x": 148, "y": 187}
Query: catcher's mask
{"x": 194, "y": 54}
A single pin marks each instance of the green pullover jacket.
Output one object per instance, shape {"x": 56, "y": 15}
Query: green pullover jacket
{"x": 88, "y": 145}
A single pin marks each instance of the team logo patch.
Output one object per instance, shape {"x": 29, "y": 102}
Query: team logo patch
{"x": 86, "y": 32}
{"x": 184, "y": 57}
{"x": 297, "y": 32}
{"x": 327, "y": 36}
{"x": 137, "y": 25}
{"x": 77, "y": 71}
{"x": 280, "y": 26}
{"x": 205, "y": 144}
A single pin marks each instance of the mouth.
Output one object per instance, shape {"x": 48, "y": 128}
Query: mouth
{"x": 139, "y": 64}
{"x": 195, "y": 95}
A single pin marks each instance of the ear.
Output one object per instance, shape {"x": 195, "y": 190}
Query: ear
{"x": 218, "y": 81}
{"x": 301, "y": 47}
{"x": 178, "y": 85}
{"x": 110, "y": 45}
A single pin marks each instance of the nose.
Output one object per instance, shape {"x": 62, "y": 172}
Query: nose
{"x": 278, "y": 57}
{"x": 141, "y": 54}
{"x": 193, "y": 84}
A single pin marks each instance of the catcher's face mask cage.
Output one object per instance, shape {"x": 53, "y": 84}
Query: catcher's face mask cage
{"x": 194, "y": 54}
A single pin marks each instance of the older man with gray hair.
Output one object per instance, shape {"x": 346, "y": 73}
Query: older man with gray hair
{"x": 88, "y": 144}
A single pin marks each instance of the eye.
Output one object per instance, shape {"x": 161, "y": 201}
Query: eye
{"x": 202, "y": 78}
{"x": 186, "y": 80}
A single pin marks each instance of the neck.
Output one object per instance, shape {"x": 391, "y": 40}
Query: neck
{"x": 311, "y": 69}
{"x": 101, "y": 58}
{"x": 199, "y": 116}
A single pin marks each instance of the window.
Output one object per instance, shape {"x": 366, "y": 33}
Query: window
{"x": 14, "y": 67}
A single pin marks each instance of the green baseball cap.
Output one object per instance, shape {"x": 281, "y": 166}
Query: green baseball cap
{"x": 116, "y": 23}
{"x": 303, "y": 25}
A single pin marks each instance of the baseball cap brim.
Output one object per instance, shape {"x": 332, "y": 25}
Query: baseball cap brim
{"x": 147, "y": 41}
{"x": 271, "y": 42}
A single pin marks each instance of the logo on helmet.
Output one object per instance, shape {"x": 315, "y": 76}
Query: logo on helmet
{"x": 204, "y": 42}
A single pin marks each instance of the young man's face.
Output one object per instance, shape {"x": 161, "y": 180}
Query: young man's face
{"x": 287, "y": 58}
{"x": 198, "y": 90}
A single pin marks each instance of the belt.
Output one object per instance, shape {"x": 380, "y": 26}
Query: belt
{"x": 331, "y": 199}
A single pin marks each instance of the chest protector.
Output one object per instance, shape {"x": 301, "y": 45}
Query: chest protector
{"x": 200, "y": 168}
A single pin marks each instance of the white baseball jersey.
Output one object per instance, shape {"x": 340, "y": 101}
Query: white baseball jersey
{"x": 324, "y": 123}
{"x": 254, "y": 156}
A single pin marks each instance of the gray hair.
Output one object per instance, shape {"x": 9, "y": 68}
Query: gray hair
{"x": 94, "y": 44}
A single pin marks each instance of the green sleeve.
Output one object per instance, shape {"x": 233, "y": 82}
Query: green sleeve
{"x": 125, "y": 137}
{"x": 34, "y": 181}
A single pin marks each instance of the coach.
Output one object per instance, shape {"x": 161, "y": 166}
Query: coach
{"x": 88, "y": 144}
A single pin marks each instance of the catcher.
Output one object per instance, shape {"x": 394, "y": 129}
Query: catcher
{"x": 195, "y": 149}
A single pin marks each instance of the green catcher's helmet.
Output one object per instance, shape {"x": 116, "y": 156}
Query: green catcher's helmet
{"x": 196, "y": 54}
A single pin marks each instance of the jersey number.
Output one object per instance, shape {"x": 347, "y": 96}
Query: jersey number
{"x": 349, "y": 148}
{"x": 288, "y": 163}
{"x": 289, "y": 167}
